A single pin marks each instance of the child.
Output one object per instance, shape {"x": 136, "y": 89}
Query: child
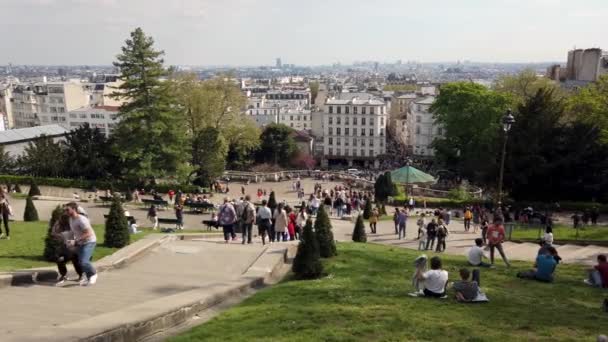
{"x": 421, "y": 224}
{"x": 422, "y": 236}
{"x": 467, "y": 290}
{"x": 484, "y": 230}
{"x": 548, "y": 237}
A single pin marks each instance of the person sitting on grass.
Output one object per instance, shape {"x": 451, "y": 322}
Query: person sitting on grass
{"x": 544, "y": 267}
{"x": 476, "y": 254}
{"x": 435, "y": 279}
{"x": 548, "y": 237}
{"x": 467, "y": 290}
{"x": 598, "y": 274}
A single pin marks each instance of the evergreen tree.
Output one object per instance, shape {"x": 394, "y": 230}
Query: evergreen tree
{"x": 209, "y": 151}
{"x": 51, "y": 244}
{"x": 117, "y": 229}
{"x": 382, "y": 210}
{"x": 272, "y": 202}
{"x": 324, "y": 234}
{"x": 148, "y": 139}
{"x": 307, "y": 263}
{"x": 359, "y": 231}
{"x": 30, "y": 214}
{"x": 367, "y": 210}
{"x": 34, "y": 190}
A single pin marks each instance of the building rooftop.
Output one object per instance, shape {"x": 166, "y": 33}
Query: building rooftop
{"x": 114, "y": 109}
{"x": 427, "y": 100}
{"x": 355, "y": 98}
{"x": 24, "y": 134}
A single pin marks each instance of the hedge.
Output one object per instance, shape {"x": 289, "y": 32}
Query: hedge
{"x": 87, "y": 184}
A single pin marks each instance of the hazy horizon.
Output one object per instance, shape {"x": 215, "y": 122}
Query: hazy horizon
{"x": 249, "y": 33}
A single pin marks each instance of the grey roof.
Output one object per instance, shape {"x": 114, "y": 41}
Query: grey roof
{"x": 24, "y": 134}
{"x": 427, "y": 100}
{"x": 407, "y": 96}
{"x": 345, "y": 98}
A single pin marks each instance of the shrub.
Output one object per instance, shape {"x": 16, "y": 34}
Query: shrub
{"x": 367, "y": 210}
{"x": 51, "y": 244}
{"x": 307, "y": 263}
{"x": 117, "y": 228}
{"x": 34, "y": 190}
{"x": 324, "y": 234}
{"x": 17, "y": 188}
{"x": 359, "y": 231}
{"x": 30, "y": 214}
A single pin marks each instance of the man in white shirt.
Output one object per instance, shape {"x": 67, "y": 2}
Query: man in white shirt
{"x": 476, "y": 254}
{"x": 435, "y": 280}
{"x": 85, "y": 240}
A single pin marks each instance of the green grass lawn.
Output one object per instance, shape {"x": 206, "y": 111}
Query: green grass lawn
{"x": 364, "y": 298}
{"x": 25, "y": 248}
{"x": 563, "y": 232}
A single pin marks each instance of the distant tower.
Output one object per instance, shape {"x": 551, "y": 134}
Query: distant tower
{"x": 279, "y": 64}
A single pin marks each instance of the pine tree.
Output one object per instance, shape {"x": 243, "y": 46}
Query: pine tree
{"x": 30, "y": 214}
{"x": 34, "y": 190}
{"x": 324, "y": 234}
{"x": 272, "y": 201}
{"x": 367, "y": 210}
{"x": 51, "y": 244}
{"x": 359, "y": 231}
{"x": 151, "y": 114}
{"x": 117, "y": 228}
{"x": 307, "y": 263}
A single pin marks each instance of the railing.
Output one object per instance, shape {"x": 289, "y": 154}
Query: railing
{"x": 421, "y": 191}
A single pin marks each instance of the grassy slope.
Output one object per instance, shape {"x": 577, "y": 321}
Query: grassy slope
{"x": 565, "y": 233}
{"x": 365, "y": 298}
{"x": 26, "y": 246}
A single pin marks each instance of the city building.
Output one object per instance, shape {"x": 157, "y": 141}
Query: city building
{"x": 422, "y": 127}
{"x": 399, "y": 116}
{"x": 354, "y": 128}
{"x": 582, "y": 66}
{"x": 102, "y": 117}
{"x": 15, "y": 141}
{"x": 290, "y": 107}
{"x": 298, "y": 119}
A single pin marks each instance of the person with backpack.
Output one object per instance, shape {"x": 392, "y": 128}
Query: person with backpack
{"x": 431, "y": 234}
{"x": 247, "y": 219}
{"x": 264, "y": 221}
{"x": 468, "y": 216}
{"x": 227, "y": 218}
{"x": 442, "y": 233}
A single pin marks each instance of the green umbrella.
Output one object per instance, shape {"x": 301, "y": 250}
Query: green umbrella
{"x": 411, "y": 175}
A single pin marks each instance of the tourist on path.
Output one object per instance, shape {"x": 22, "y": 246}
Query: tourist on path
{"x": 421, "y": 225}
{"x": 396, "y": 221}
{"x": 153, "y": 216}
{"x": 468, "y": 216}
{"x": 431, "y": 233}
{"x": 435, "y": 279}
{"x": 291, "y": 226}
{"x": 62, "y": 233}
{"x": 401, "y": 221}
{"x": 179, "y": 213}
{"x": 301, "y": 221}
{"x": 496, "y": 236}
{"x": 373, "y": 220}
{"x": 85, "y": 241}
{"x": 247, "y": 218}
{"x": 227, "y": 219}
{"x": 280, "y": 222}
{"x": 422, "y": 236}
{"x": 5, "y": 212}
{"x": 442, "y": 233}
{"x": 264, "y": 221}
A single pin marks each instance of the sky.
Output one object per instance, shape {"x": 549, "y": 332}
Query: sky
{"x": 304, "y": 32}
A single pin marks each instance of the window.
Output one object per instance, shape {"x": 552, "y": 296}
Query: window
{"x": 291, "y": 124}
{"x": 304, "y": 125}
{"x": 338, "y": 141}
{"x": 338, "y": 131}
{"x": 417, "y": 129}
{"x": 339, "y": 152}
{"x": 299, "y": 117}
{"x": 362, "y": 132}
{"x": 346, "y": 121}
{"x": 257, "y": 105}
{"x": 331, "y": 151}
{"x": 346, "y": 151}
{"x": 362, "y": 153}
{"x": 363, "y": 121}
{"x": 362, "y": 142}
{"x": 73, "y": 116}
{"x": 371, "y": 110}
{"x": 371, "y": 153}
{"x": 339, "y": 110}
{"x": 61, "y": 109}
{"x": 354, "y": 121}
{"x": 371, "y": 142}
{"x": 371, "y": 121}
{"x": 347, "y": 142}
{"x": 354, "y": 131}
{"x": 265, "y": 112}
{"x": 346, "y": 131}
{"x": 418, "y": 118}
{"x": 371, "y": 132}
{"x": 355, "y": 110}
{"x": 355, "y": 142}
{"x": 382, "y": 121}
{"x": 330, "y": 131}
{"x": 331, "y": 120}
{"x": 291, "y": 117}
{"x": 362, "y": 110}
{"x": 331, "y": 109}
{"x": 354, "y": 152}
{"x": 53, "y": 110}
{"x": 338, "y": 120}
{"x": 381, "y": 132}
{"x": 347, "y": 109}
{"x": 381, "y": 143}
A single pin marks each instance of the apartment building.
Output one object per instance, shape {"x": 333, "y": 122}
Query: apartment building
{"x": 298, "y": 119}
{"x": 290, "y": 107}
{"x": 104, "y": 118}
{"x": 422, "y": 127}
{"x": 354, "y": 130}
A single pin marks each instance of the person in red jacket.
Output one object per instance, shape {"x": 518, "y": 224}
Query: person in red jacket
{"x": 496, "y": 236}
{"x": 291, "y": 226}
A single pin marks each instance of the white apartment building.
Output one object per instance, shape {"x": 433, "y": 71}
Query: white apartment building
{"x": 422, "y": 127}
{"x": 6, "y": 107}
{"x": 48, "y": 103}
{"x": 298, "y": 119}
{"x": 354, "y": 130}
{"x": 102, "y": 117}
{"x": 290, "y": 107}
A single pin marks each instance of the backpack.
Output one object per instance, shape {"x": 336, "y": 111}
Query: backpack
{"x": 226, "y": 216}
{"x": 442, "y": 231}
{"x": 468, "y": 215}
{"x": 248, "y": 215}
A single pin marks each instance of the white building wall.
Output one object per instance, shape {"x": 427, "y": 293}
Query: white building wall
{"x": 423, "y": 129}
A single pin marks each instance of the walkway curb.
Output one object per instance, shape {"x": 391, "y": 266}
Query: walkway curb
{"x": 119, "y": 259}
{"x": 145, "y": 319}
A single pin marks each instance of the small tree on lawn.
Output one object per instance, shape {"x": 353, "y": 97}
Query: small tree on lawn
{"x": 359, "y": 231}
{"x": 129, "y": 195}
{"x": 51, "y": 244}
{"x": 367, "y": 210}
{"x": 34, "y": 190}
{"x": 325, "y": 237}
{"x": 272, "y": 201}
{"x": 117, "y": 228}
{"x": 17, "y": 188}
{"x": 30, "y": 214}
{"x": 307, "y": 263}
{"x": 382, "y": 209}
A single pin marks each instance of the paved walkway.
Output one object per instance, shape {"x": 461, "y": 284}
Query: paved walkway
{"x": 171, "y": 268}
{"x": 459, "y": 242}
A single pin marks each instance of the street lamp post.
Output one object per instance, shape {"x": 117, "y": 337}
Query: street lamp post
{"x": 507, "y": 121}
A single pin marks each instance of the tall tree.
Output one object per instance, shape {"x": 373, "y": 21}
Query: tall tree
{"x": 307, "y": 262}
{"x": 524, "y": 85}
{"x": 209, "y": 150}
{"x": 324, "y": 234}
{"x": 589, "y": 105}
{"x": 7, "y": 162}
{"x": 42, "y": 158}
{"x": 149, "y": 135}
{"x": 277, "y": 145}
{"x": 471, "y": 116}
{"x": 86, "y": 153}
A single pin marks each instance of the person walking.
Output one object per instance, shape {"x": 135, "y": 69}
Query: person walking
{"x": 496, "y": 236}
{"x": 280, "y": 222}
{"x": 62, "y": 233}
{"x": 301, "y": 221}
{"x": 396, "y": 221}
{"x": 247, "y": 218}
{"x": 468, "y": 216}
{"x": 401, "y": 221}
{"x": 264, "y": 221}
{"x": 5, "y": 212}
{"x": 421, "y": 225}
{"x": 153, "y": 216}
{"x": 85, "y": 241}
{"x": 442, "y": 233}
{"x": 291, "y": 226}
{"x": 179, "y": 214}
{"x": 431, "y": 233}
{"x": 373, "y": 220}
{"x": 227, "y": 219}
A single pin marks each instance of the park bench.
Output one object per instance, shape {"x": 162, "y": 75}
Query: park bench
{"x": 203, "y": 206}
{"x": 169, "y": 221}
{"x": 159, "y": 203}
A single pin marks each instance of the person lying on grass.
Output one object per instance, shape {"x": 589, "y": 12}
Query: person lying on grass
{"x": 435, "y": 279}
{"x": 598, "y": 274}
{"x": 467, "y": 290}
{"x": 544, "y": 267}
